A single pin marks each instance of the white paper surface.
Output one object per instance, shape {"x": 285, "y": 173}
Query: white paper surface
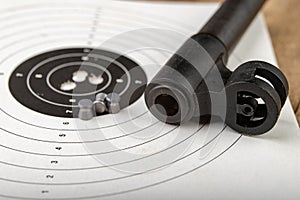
{"x": 130, "y": 155}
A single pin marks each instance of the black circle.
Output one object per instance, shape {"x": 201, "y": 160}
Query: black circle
{"x": 36, "y": 83}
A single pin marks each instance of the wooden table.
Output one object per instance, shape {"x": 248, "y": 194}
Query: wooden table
{"x": 282, "y": 17}
{"x": 283, "y": 20}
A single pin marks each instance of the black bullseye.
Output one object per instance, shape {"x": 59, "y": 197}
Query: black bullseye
{"x": 53, "y": 82}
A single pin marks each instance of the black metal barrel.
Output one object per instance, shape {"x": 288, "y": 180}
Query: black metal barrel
{"x": 232, "y": 19}
{"x": 178, "y": 90}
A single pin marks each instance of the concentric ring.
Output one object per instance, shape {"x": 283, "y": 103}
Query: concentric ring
{"x": 92, "y": 169}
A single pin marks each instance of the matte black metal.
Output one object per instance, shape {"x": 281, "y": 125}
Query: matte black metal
{"x": 232, "y": 19}
{"x": 195, "y": 81}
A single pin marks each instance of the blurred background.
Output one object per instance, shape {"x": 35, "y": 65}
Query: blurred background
{"x": 283, "y": 20}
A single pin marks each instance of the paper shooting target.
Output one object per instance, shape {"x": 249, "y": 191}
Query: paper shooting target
{"x": 51, "y": 57}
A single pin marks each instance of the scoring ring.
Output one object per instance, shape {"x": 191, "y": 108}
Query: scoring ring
{"x": 40, "y": 95}
{"x": 76, "y": 63}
